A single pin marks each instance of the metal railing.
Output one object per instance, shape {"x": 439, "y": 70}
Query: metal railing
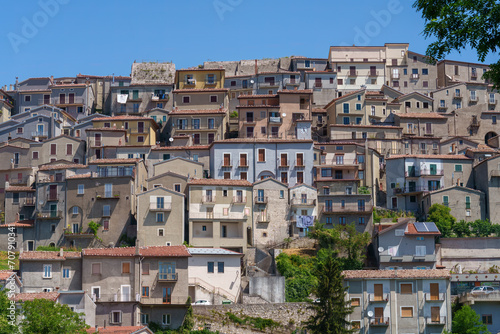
{"x": 260, "y": 199}
{"x": 303, "y": 202}
{"x": 431, "y": 297}
{"x": 349, "y": 207}
{"x": 424, "y": 172}
{"x": 378, "y": 298}
{"x": 164, "y": 277}
{"x": 49, "y": 214}
{"x": 208, "y": 199}
{"x": 457, "y": 95}
{"x": 379, "y": 321}
{"x": 107, "y": 194}
{"x": 435, "y": 321}
{"x": 239, "y": 200}
{"x": 373, "y": 73}
{"x": 415, "y": 76}
{"x": 395, "y": 75}
{"x": 352, "y": 73}
{"x": 167, "y": 206}
{"x": 39, "y": 134}
{"x": 408, "y": 189}
{"x": 263, "y": 218}
{"x": 29, "y": 202}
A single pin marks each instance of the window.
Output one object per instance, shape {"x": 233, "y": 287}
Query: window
{"x": 35, "y": 155}
{"x": 467, "y": 202}
{"x": 213, "y": 98}
{"x": 406, "y": 288}
{"x": 494, "y": 119}
{"x": 144, "y": 318}
{"x": 140, "y": 139}
{"x": 106, "y": 210}
{"x": 15, "y": 198}
{"x": 81, "y": 189}
{"x": 27, "y": 98}
{"x": 145, "y": 268}
{"x": 116, "y": 317}
{"x": 406, "y": 312}
{"x": 96, "y": 269}
{"x": 159, "y": 217}
{"x": 165, "y": 319}
{"x": 145, "y": 291}
{"x": 220, "y": 267}
{"x": 210, "y": 267}
{"x": 75, "y": 210}
{"x": 282, "y": 194}
{"x": 125, "y": 267}
{"x": 361, "y": 221}
{"x": 262, "y": 155}
{"x": 458, "y": 168}
{"x": 425, "y": 84}
{"x": 47, "y": 271}
{"x": 340, "y": 81}
{"x": 487, "y": 319}
{"x": 186, "y": 99}
{"x": 65, "y": 272}
{"x": 342, "y": 220}
{"x": 425, "y": 71}
{"x": 53, "y": 149}
{"x": 329, "y": 220}
{"x": 161, "y": 232}
{"x": 346, "y": 108}
{"x": 355, "y": 302}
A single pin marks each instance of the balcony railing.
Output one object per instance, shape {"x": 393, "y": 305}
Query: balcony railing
{"x": 159, "y": 97}
{"x": 190, "y": 82}
{"x": 53, "y": 197}
{"x": 160, "y": 206}
{"x": 39, "y": 134}
{"x": 303, "y": 202}
{"x": 425, "y": 172}
{"x": 373, "y": 298}
{"x": 274, "y": 119}
{"x": 415, "y": 76}
{"x": 443, "y": 106}
{"x": 260, "y": 199}
{"x": 352, "y": 73}
{"x": 138, "y": 131}
{"x": 115, "y": 297}
{"x": 347, "y": 208}
{"x": 395, "y": 75}
{"x": 269, "y": 84}
{"x": 29, "y": 202}
{"x": 432, "y": 298}
{"x": 49, "y": 214}
{"x": 492, "y": 101}
{"x": 457, "y": 95}
{"x": 318, "y": 85}
{"x": 292, "y": 82}
{"x": 164, "y": 277}
{"x": 379, "y": 321}
{"x": 473, "y": 98}
{"x": 57, "y": 100}
{"x": 284, "y": 164}
{"x": 239, "y": 200}
{"x": 263, "y": 218}
{"x": 107, "y": 194}
{"x": 208, "y": 199}
{"x": 406, "y": 190}
{"x": 435, "y": 321}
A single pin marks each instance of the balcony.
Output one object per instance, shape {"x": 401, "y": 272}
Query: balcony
{"x": 69, "y": 234}
{"x": 115, "y": 297}
{"x": 434, "y": 298}
{"x": 164, "y": 277}
{"x": 470, "y": 298}
{"x": 29, "y": 202}
{"x": 160, "y": 301}
{"x": 53, "y": 197}
{"x": 231, "y": 215}
{"x": 372, "y": 298}
{"x": 492, "y": 101}
{"x": 441, "y": 320}
{"x": 239, "y": 200}
{"x": 379, "y": 321}
{"x": 317, "y": 86}
{"x": 208, "y": 199}
{"x": 412, "y": 190}
{"x": 425, "y": 172}
{"x": 352, "y": 73}
{"x": 457, "y": 95}
{"x": 270, "y": 84}
{"x": 414, "y": 76}
{"x": 373, "y": 74}
{"x": 299, "y": 163}
{"x": 263, "y": 218}
{"x": 160, "y": 206}
{"x": 395, "y": 76}
{"x": 260, "y": 200}
{"x": 138, "y": 130}
{"x": 107, "y": 194}
{"x": 39, "y": 134}
{"x": 274, "y": 119}
{"x": 473, "y": 98}
{"x": 284, "y": 164}
{"x": 159, "y": 97}
{"x": 49, "y": 214}
{"x": 303, "y": 202}
{"x": 243, "y": 164}
{"x": 443, "y": 106}
{"x": 352, "y": 208}
{"x": 292, "y": 82}
{"x": 67, "y": 101}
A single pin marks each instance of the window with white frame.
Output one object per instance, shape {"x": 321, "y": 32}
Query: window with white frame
{"x": 116, "y": 317}
{"x": 81, "y": 189}
{"x": 47, "y": 271}
{"x": 165, "y": 319}
{"x": 75, "y": 210}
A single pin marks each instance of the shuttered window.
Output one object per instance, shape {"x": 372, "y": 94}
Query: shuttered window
{"x": 407, "y": 312}
{"x": 406, "y": 289}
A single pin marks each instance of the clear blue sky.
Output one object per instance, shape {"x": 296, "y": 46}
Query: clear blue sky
{"x": 105, "y": 37}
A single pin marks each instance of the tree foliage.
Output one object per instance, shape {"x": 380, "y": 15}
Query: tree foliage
{"x": 5, "y": 326}
{"x": 467, "y": 321}
{"x": 331, "y": 308}
{"x": 459, "y": 24}
{"x": 44, "y": 316}
{"x": 461, "y": 229}
{"x": 299, "y": 277}
{"x": 440, "y": 215}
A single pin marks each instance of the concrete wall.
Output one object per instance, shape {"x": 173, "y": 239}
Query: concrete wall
{"x": 269, "y": 288}
{"x": 470, "y": 253}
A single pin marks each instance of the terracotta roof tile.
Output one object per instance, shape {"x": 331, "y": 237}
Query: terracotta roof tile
{"x": 114, "y": 161}
{"x": 421, "y": 115}
{"x": 220, "y": 182}
{"x": 123, "y": 118}
{"x": 201, "y": 90}
{"x": 5, "y": 274}
{"x": 118, "y": 329}
{"x": 413, "y": 231}
{"x": 261, "y": 140}
{"x": 104, "y": 129}
{"x": 295, "y": 91}
{"x": 366, "y": 126}
{"x": 80, "y": 176}
{"x": 152, "y": 251}
{"x": 482, "y": 148}
{"x": 199, "y": 111}
{"x": 29, "y": 296}
{"x": 49, "y": 255}
{"x": 180, "y": 148}
{"x": 396, "y": 274}
{"x": 431, "y": 156}
{"x": 19, "y": 223}
{"x": 62, "y": 166}
{"x": 17, "y": 188}
{"x": 257, "y": 96}
{"x": 319, "y": 110}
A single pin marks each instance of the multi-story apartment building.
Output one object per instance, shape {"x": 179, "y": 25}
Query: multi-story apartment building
{"x": 273, "y": 115}
{"x": 399, "y": 301}
{"x": 141, "y": 131}
{"x": 204, "y": 126}
{"x": 465, "y": 203}
{"x": 161, "y": 217}
{"x": 450, "y": 72}
{"x": 135, "y": 98}
{"x": 303, "y": 206}
{"x": 429, "y": 124}
{"x": 6, "y": 106}
{"x": 289, "y": 161}
{"x": 487, "y": 180}
{"x": 271, "y": 208}
{"x": 407, "y": 245}
{"x": 199, "y": 153}
{"x": 220, "y": 213}
{"x": 19, "y": 204}
{"x": 410, "y": 177}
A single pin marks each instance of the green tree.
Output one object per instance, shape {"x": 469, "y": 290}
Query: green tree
{"x": 299, "y": 276}
{"x": 440, "y": 215}
{"x": 330, "y": 309}
{"x": 5, "y": 327}
{"x": 44, "y": 316}
{"x": 188, "y": 323}
{"x": 461, "y": 229}
{"x": 467, "y": 321}
{"x": 481, "y": 228}
{"x": 459, "y": 24}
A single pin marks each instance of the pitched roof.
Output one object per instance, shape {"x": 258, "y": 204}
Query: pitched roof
{"x": 123, "y": 118}
{"x": 49, "y": 255}
{"x": 104, "y": 129}
{"x": 114, "y": 161}
{"x": 212, "y": 251}
{"x": 202, "y": 90}
{"x": 19, "y": 223}
{"x": 366, "y": 126}
{"x": 220, "y": 182}
{"x": 18, "y": 188}
{"x": 295, "y": 91}
{"x": 120, "y": 330}
{"x": 431, "y": 156}
{"x": 30, "y": 296}
{"x": 151, "y": 251}
{"x": 5, "y": 274}
{"x": 396, "y": 274}
{"x": 261, "y": 140}
{"x": 62, "y": 166}
{"x": 257, "y": 96}
{"x": 80, "y": 176}
{"x": 343, "y": 96}
{"x": 421, "y": 115}
{"x": 197, "y": 111}
{"x": 412, "y": 230}
{"x": 180, "y": 148}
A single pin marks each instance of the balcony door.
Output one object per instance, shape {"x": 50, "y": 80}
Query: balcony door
{"x": 435, "y": 316}
{"x": 62, "y": 98}
{"x": 167, "y": 295}
{"x": 434, "y": 287}
{"x": 53, "y": 191}
{"x": 97, "y": 139}
{"x": 108, "y": 190}
{"x": 378, "y": 290}
{"x": 125, "y": 295}
{"x": 379, "y": 314}
{"x": 71, "y": 98}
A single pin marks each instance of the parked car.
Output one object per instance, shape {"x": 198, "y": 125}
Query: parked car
{"x": 482, "y": 290}
{"x": 202, "y": 302}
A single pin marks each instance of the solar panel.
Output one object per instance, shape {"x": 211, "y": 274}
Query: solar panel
{"x": 431, "y": 227}
{"x": 420, "y": 227}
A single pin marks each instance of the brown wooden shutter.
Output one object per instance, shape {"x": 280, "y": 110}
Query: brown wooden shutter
{"x": 406, "y": 288}
{"x": 407, "y": 312}
{"x": 434, "y": 291}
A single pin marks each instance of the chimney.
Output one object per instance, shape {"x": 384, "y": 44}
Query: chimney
{"x": 256, "y": 67}
{"x": 137, "y": 247}
{"x": 61, "y": 252}
{"x": 17, "y": 83}
{"x": 51, "y": 79}
{"x": 10, "y": 87}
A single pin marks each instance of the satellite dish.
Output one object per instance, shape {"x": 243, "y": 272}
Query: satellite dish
{"x": 370, "y": 314}
{"x": 283, "y": 114}
{"x": 171, "y": 139}
{"x": 380, "y": 249}
{"x": 251, "y": 81}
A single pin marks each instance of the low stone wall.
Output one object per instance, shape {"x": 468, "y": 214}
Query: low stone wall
{"x": 290, "y": 316}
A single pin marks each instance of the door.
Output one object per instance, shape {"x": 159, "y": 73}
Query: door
{"x": 167, "y": 295}
{"x": 140, "y": 127}
{"x": 394, "y": 202}
{"x": 379, "y": 315}
{"x": 227, "y": 160}
{"x": 412, "y": 186}
{"x": 71, "y": 98}
{"x": 428, "y": 128}
{"x": 434, "y": 291}
{"x": 53, "y": 191}
{"x": 243, "y": 160}
{"x": 196, "y": 139}
{"x": 420, "y": 251}
{"x": 378, "y": 290}
{"x": 303, "y": 198}
{"x": 300, "y": 159}
{"x": 39, "y": 129}
{"x": 108, "y": 190}
{"x": 125, "y": 295}
{"x": 62, "y": 98}
{"x": 97, "y": 139}
{"x": 433, "y": 169}
{"x": 211, "y": 138}
{"x": 53, "y": 210}
{"x": 260, "y": 195}
{"x": 224, "y": 231}
{"x": 435, "y": 314}
{"x": 284, "y": 160}
{"x": 411, "y": 171}
{"x": 46, "y": 99}
{"x": 209, "y": 196}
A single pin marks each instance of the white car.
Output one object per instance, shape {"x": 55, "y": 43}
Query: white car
{"x": 482, "y": 290}
{"x": 202, "y": 302}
